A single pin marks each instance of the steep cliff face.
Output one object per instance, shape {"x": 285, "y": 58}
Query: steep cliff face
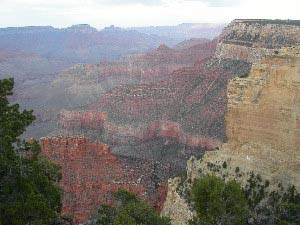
{"x": 262, "y": 126}
{"x": 265, "y": 107}
{"x": 250, "y": 40}
{"x": 91, "y": 173}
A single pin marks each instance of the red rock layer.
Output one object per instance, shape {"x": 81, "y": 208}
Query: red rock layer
{"x": 82, "y": 120}
{"x": 170, "y": 131}
{"x": 90, "y": 174}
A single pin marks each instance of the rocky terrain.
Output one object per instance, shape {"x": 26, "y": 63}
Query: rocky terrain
{"x": 83, "y": 85}
{"x": 90, "y": 175}
{"x": 184, "y": 97}
{"x": 250, "y": 40}
{"x": 262, "y": 123}
{"x": 158, "y": 149}
{"x": 35, "y": 56}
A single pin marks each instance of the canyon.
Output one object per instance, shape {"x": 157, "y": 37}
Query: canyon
{"x": 158, "y": 109}
{"x": 36, "y": 55}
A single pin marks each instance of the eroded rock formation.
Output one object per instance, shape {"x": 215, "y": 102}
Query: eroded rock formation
{"x": 265, "y": 106}
{"x": 91, "y": 173}
{"x": 82, "y": 120}
{"x": 250, "y": 40}
{"x": 194, "y": 97}
{"x": 262, "y": 126}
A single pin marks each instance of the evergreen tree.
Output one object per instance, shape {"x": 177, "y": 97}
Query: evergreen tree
{"x": 129, "y": 210}
{"x": 218, "y": 203}
{"x": 29, "y": 192}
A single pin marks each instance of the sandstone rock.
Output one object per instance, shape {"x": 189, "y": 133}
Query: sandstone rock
{"x": 175, "y": 206}
{"x": 169, "y": 131}
{"x": 190, "y": 43}
{"x": 91, "y": 173}
{"x": 250, "y": 40}
{"x": 262, "y": 126}
{"x": 194, "y": 97}
{"x": 82, "y": 120}
{"x": 264, "y": 107}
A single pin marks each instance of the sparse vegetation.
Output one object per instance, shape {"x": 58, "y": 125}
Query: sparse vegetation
{"x": 218, "y": 202}
{"x": 128, "y": 210}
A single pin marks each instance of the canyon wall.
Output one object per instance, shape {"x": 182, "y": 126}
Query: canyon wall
{"x": 91, "y": 173}
{"x": 250, "y": 40}
{"x": 265, "y": 107}
{"x": 262, "y": 126}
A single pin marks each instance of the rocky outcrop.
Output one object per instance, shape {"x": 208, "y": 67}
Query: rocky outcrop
{"x": 250, "y": 40}
{"x": 262, "y": 126}
{"x": 176, "y": 207}
{"x": 91, "y": 173}
{"x": 82, "y": 120}
{"x": 202, "y": 142}
{"x": 169, "y": 131}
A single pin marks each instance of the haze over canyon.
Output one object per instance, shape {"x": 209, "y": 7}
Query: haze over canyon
{"x": 152, "y": 110}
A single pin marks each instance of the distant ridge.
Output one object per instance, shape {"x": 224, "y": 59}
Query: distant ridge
{"x": 184, "y": 30}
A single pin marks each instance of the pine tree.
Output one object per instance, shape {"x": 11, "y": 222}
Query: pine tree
{"x": 29, "y": 191}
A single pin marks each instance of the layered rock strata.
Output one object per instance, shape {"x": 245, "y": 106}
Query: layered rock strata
{"x": 91, "y": 173}
{"x": 82, "y": 120}
{"x": 194, "y": 97}
{"x": 250, "y": 40}
{"x": 262, "y": 126}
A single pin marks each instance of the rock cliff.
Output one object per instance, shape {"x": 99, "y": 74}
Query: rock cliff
{"x": 250, "y": 40}
{"x": 262, "y": 127}
{"x": 265, "y": 106}
{"x": 91, "y": 173}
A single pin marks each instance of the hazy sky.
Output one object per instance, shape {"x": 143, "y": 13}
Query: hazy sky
{"x": 125, "y": 13}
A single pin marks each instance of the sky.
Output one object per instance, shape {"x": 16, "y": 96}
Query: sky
{"x": 130, "y": 13}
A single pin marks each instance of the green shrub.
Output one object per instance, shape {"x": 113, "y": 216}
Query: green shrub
{"x": 217, "y": 202}
{"x": 129, "y": 210}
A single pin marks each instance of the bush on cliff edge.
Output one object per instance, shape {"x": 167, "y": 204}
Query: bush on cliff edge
{"x": 217, "y": 202}
{"x": 129, "y": 210}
